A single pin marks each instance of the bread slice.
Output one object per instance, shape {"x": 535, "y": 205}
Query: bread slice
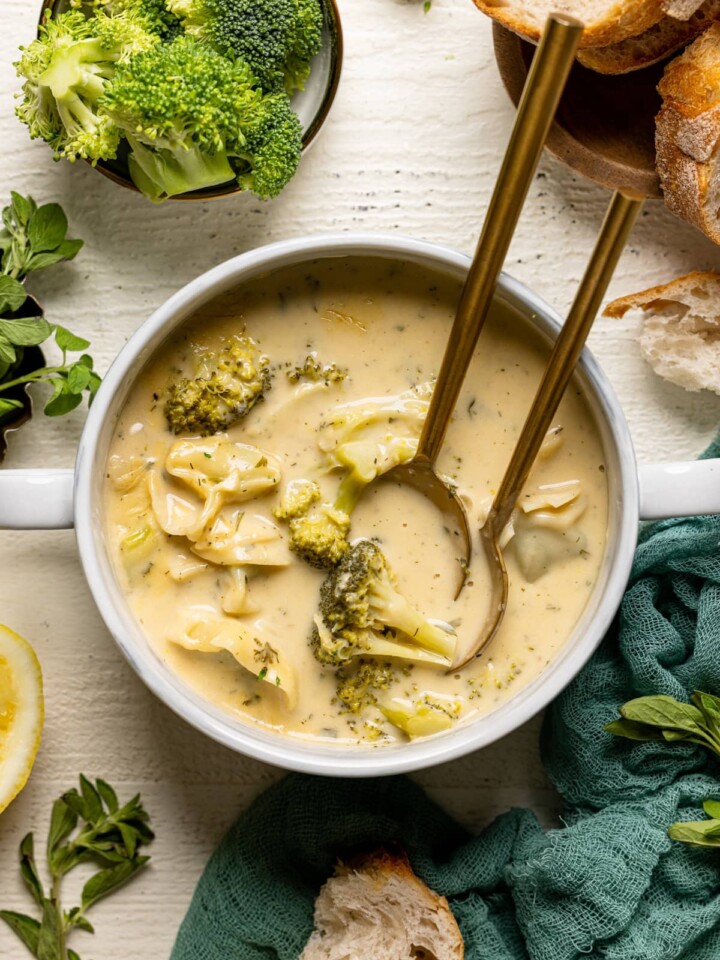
{"x": 681, "y": 9}
{"x": 662, "y": 39}
{"x": 680, "y": 337}
{"x": 606, "y": 21}
{"x": 687, "y": 133}
{"x": 376, "y": 908}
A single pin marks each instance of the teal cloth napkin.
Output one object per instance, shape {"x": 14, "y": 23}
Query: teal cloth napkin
{"x": 609, "y": 884}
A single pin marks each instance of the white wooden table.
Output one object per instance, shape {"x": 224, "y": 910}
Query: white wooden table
{"x": 411, "y": 147}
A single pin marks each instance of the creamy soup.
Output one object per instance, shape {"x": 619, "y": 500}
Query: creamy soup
{"x": 202, "y": 547}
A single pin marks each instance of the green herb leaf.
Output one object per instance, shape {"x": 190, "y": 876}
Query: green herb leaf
{"x": 63, "y": 821}
{"x": 106, "y": 791}
{"x": 712, "y": 808}
{"x": 664, "y": 713}
{"x": 12, "y": 295}
{"x": 106, "y": 881}
{"x": 69, "y": 249}
{"x": 8, "y": 354}
{"x": 7, "y": 405}
{"x": 72, "y": 955}
{"x": 633, "y": 731}
{"x": 61, "y": 402}
{"x": 78, "y": 377}
{"x": 47, "y": 227}
{"x": 26, "y": 332}
{"x": 68, "y": 341}
{"x": 50, "y": 937}
{"x": 28, "y": 869}
{"x": 22, "y": 208}
{"x": 700, "y": 833}
{"x": 26, "y": 928}
{"x": 92, "y": 800}
{"x": 38, "y": 261}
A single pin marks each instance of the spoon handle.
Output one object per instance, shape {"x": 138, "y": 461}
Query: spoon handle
{"x": 614, "y": 232}
{"x": 543, "y": 88}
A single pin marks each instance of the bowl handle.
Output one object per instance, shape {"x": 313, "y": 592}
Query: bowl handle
{"x": 36, "y": 499}
{"x": 684, "y": 489}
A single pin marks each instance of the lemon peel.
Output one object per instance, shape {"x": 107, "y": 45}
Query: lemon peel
{"x": 22, "y": 712}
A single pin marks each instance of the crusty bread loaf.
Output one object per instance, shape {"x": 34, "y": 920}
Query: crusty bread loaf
{"x": 606, "y": 21}
{"x": 377, "y": 909}
{"x": 662, "y": 39}
{"x": 680, "y": 337}
{"x": 687, "y": 131}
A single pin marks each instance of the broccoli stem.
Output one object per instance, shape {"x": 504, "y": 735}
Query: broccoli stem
{"x": 349, "y": 493}
{"x": 161, "y": 173}
{"x": 399, "y": 613}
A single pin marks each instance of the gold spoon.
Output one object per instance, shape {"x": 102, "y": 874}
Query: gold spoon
{"x": 543, "y": 88}
{"x": 618, "y": 223}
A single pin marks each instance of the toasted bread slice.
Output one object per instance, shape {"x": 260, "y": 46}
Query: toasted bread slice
{"x": 662, "y": 39}
{"x": 606, "y": 21}
{"x": 680, "y": 336}
{"x": 687, "y": 133}
{"x": 378, "y": 908}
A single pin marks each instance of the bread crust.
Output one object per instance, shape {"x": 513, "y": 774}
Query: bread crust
{"x": 621, "y": 19}
{"x": 687, "y": 132}
{"x": 665, "y": 37}
{"x": 645, "y": 299}
{"x": 680, "y": 335}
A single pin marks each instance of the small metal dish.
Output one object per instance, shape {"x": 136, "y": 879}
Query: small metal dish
{"x": 311, "y": 104}
{"x": 33, "y": 358}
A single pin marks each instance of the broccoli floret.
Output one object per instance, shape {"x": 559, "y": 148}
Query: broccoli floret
{"x": 195, "y": 119}
{"x": 357, "y": 689}
{"x": 362, "y": 612}
{"x": 67, "y": 69}
{"x": 227, "y": 386}
{"x": 316, "y": 372}
{"x": 159, "y": 19}
{"x": 270, "y": 155}
{"x": 277, "y": 38}
{"x": 318, "y": 530}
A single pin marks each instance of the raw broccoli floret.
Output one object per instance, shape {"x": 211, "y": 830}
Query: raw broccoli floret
{"x": 67, "y": 69}
{"x": 226, "y": 387}
{"x": 270, "y": 155}
{"x": 362, "y": 613}
{"x": 159, "y": 19}
{"x": 357, "y": 689}
{"x": 195, "y": 119}
{"x": 278, "y": 38}
{"x": 314, "y": 371}
{"x": 318, "y": 530}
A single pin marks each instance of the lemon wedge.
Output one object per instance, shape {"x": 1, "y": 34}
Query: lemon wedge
{"x": 22, "y": 712}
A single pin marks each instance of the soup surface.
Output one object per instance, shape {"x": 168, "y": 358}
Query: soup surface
{"x": 204, "y": 562}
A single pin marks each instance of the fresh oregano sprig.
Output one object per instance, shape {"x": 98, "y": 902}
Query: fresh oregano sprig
{"x": 31, "y": 239}
{"x": 69, "y": 379}
{"x": 664, "y": 718}
{"x": 86, "y": 826}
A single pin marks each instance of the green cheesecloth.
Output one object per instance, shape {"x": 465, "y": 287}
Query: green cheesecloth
{"x": 609, "y": 884}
